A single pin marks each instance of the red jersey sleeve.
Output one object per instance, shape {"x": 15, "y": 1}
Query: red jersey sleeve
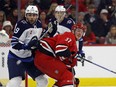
{"x": 65, "y": 42}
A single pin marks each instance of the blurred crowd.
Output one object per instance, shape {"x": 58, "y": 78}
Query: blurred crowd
{"x": 98, "y": 15}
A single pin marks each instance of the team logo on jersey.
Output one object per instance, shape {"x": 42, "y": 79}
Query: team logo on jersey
{"x": 69, "y": 22}
{"x": 30, "y": 32}
{"x": 56, "y": 71}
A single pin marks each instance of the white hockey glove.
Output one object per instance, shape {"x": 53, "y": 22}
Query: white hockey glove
{"x": 81, "y": 56}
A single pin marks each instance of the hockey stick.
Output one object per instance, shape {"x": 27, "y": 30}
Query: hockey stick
{"x": 49, "y": 28}
{"x": 98, "y": 65}
{"x": 73, "y": 77}
{"x": 41, "y": 36}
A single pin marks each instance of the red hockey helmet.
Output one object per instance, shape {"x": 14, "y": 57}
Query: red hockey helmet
{"x": 79, "y": 26}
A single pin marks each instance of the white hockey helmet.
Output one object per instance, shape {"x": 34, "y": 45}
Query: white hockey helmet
{"x": 31, "y": 9}
{"x": 60, "y": 8}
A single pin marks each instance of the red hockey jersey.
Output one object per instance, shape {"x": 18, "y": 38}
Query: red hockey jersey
{"x": 59, "y": 44}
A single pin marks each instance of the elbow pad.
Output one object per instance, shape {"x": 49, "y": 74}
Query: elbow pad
{"x": 65, "y": 53}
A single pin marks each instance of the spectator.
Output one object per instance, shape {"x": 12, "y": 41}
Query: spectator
{"x": 72, "y": 14}
{"x": 81, "y": 16}
{"x": 113, "y": 12}
{"x": 32, "y": 2}
{"x": 104, "y": 25}
{"x": 82, "y": 6}
{"x": 8, "y": 5}
{"x": 22, "y": 13}
{"x": 104, "y": 4}
{"x": 60, "y": 2}
{"x": 105, "y": 21}
{"x": 67, "y": 4}
{"x": 13, "y": 16}
{"x": 45, "y": 4}
{"x": 7, "y": 26}
{"x": 43, "y": 19}
{"x": 93, "y": 20}
{"x": 110, "y": 5}
{"x": 23, "y": 3}
{"x": 96, "y": 2}
{"x": 111, "y": 36}
{"x": 88, "y": 2}
{"x": 89, "y": 37}
{"x": 51, "y": 10}
{"x": 2, "y": 18}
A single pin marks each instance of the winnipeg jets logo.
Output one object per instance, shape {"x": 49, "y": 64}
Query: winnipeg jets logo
{"x": 69, "y": 22}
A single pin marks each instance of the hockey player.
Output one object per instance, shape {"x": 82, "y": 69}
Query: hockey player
{"x": 20, "y": 57}
{"x": 56, "y": 55}
{"x": 80, "y": 52}
{"x": 60, "y": 23}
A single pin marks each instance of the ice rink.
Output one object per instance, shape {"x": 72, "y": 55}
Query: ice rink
{"x": 97, "y": 86}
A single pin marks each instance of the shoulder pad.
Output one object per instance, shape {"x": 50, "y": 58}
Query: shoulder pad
{"x": 70, "y": 21}
{"x": 23, "y": 22}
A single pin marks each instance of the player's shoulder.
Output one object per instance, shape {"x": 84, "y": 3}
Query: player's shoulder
{"x": 52, "y": 19}
{"x": 69, "y": 21}
{"x": 39, "y": 24}
{"x": 20, "y": 27}
{"x": 23, "y": 22}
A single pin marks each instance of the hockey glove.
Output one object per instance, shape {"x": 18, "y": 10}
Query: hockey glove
{"x": 81, "y": 54}
{"x": 81, "y": 57}
{"x": 33, "y": 44}
{"x": 70, "y": 64}
{"x": 53, "y": 30}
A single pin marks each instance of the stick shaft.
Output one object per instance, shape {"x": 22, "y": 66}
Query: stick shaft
{"x": 100, "y": 66}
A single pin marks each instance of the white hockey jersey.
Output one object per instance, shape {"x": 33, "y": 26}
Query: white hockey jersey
{"x": 23, "y": 33}
{"x": 64, "y": 26}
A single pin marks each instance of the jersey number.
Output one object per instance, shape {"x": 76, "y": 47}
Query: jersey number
{"x": 16, "y": 30}
{"x": 68, "y": 40}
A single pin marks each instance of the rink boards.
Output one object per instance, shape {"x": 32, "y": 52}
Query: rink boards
{"x": 83, "y": 82}
{"x": 90, "y": 75}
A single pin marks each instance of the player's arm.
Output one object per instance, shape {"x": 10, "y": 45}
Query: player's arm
{"x": 64, "y": 45}
{"x": 17, "y": 42}
{"x": 80, "y": 44}
{"x": 53, "y": 25}
{"x": 70, "y": 23}
{"x": 81, "y": 52}
{"x": 62, "y": 50}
